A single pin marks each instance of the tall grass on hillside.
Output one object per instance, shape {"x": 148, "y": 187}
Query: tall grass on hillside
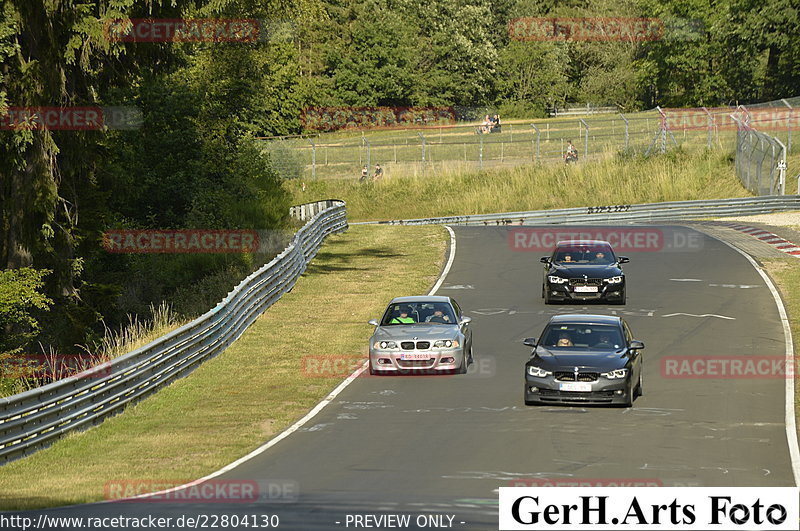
{"x": 114, "y": 343}
{"x": 612, "y": 180}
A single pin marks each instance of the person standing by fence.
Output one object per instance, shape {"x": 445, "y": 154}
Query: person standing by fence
{"x": 571, "y": 154}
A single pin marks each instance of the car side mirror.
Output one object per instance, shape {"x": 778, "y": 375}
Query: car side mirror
{"x": 465, "y": 320}
{"x": 636, "y": 345}
{"x": 374, "y": 322}
{"x": 623, "y": 259}
{"x": 545, "y": 259}
{"x": 529, "y": 341}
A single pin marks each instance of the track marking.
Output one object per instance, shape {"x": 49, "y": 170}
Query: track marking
{"x": 700, "y": 315}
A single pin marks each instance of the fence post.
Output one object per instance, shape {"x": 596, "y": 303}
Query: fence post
{"x": 789, "y": 126}
{"x": 783, "y": 154}
{"x": 585, "y": 136}
{"x": 366, "y": 142}
{"x": 710, "y": 127}
{"x": 423, "y": 146}
{"x": 538, "y": 137}
{"x": 313, "y": 159}
{"x": 481, "y": 151}
{"x": 626, "y": 130}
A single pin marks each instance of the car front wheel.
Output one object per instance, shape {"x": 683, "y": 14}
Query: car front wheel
{"x": 464, "y": 363}
{"x": 629, "y": 395}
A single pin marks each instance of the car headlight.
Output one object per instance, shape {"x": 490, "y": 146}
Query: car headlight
{"x": 536, "y": 371}
{"x": 615, "y": 374}
{"x": 385, "y": 344}
{"x": 557, "y": 280}
{"x": 614, "y": 280}
{"x": 446, "y": 343}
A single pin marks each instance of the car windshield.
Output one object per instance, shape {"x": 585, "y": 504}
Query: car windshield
{"x": 584, "y": 254}
{"x": 582, "y": 336}
{"x": 408, "y": 313}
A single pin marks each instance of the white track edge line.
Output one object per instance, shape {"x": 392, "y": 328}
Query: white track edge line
{"x": 789, "y": 412}
{"x": 311, "y": 414}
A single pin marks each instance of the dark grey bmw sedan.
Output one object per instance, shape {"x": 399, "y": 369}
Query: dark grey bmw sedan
{"x": 584, "y": 359}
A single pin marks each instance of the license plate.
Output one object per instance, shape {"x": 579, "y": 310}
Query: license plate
{"x": 415, "y": 356}
{"x": 576, "y": 386}
{"x": 585, "y": 289}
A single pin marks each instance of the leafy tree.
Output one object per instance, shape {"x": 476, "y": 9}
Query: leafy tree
{"x": 20, "y": 297}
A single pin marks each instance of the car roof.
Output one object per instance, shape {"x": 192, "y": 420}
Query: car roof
{"x": 421, "y": 298}
{"x": 582, "y": 242}
{"x": 583, "y": 318}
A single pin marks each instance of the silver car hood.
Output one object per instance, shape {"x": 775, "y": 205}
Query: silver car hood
{"x": 419, "y": 331}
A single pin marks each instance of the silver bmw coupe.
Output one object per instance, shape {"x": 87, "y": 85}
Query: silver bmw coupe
{"x": 424, "y": 334}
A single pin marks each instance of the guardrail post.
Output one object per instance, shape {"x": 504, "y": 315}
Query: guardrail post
{"x": 585, "y": 137}
{"x": 626, "y": 130}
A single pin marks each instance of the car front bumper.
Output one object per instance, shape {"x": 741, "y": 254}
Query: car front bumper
{"x": 603, "y": 391}
{"x": 565, "y": 292}
{"x": 416, "y": 362}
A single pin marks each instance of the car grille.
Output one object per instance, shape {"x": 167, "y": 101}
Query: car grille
{"x": 415, "y": 363}
{"x": 585, "y": 282}
{"x": 420, "y": 345}
{"x": 564, "y": 376}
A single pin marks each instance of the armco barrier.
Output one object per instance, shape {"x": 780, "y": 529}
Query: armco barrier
{"x": 615, "y": 214}
{"x": 34, "y": 419}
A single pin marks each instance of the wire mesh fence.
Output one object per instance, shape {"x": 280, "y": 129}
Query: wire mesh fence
{"x": 442, "y": 148}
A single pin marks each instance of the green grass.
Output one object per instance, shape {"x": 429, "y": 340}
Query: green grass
{"x": 608, "y": 181}
{"x": 234, "y": 403}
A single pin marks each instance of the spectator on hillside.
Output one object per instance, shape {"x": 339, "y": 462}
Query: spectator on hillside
{"x": 378, "y": 172}
{"x": 364, "y": 174}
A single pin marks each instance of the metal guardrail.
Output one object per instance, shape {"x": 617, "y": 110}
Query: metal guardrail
{"x": 34, "y": 419}
{"x": 649, "y": 212}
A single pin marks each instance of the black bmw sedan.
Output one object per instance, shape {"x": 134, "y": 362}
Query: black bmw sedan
{"x": 583, "y": 270}
{"x": 584, "y": 359}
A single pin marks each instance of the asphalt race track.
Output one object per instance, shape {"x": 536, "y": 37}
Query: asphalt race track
{"x": 442, "y": 445}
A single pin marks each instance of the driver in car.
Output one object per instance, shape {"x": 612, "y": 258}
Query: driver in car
{"x": 564, "y": 341}
{"x": 438, "y": 317}
{"x": 404, "y": 317}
